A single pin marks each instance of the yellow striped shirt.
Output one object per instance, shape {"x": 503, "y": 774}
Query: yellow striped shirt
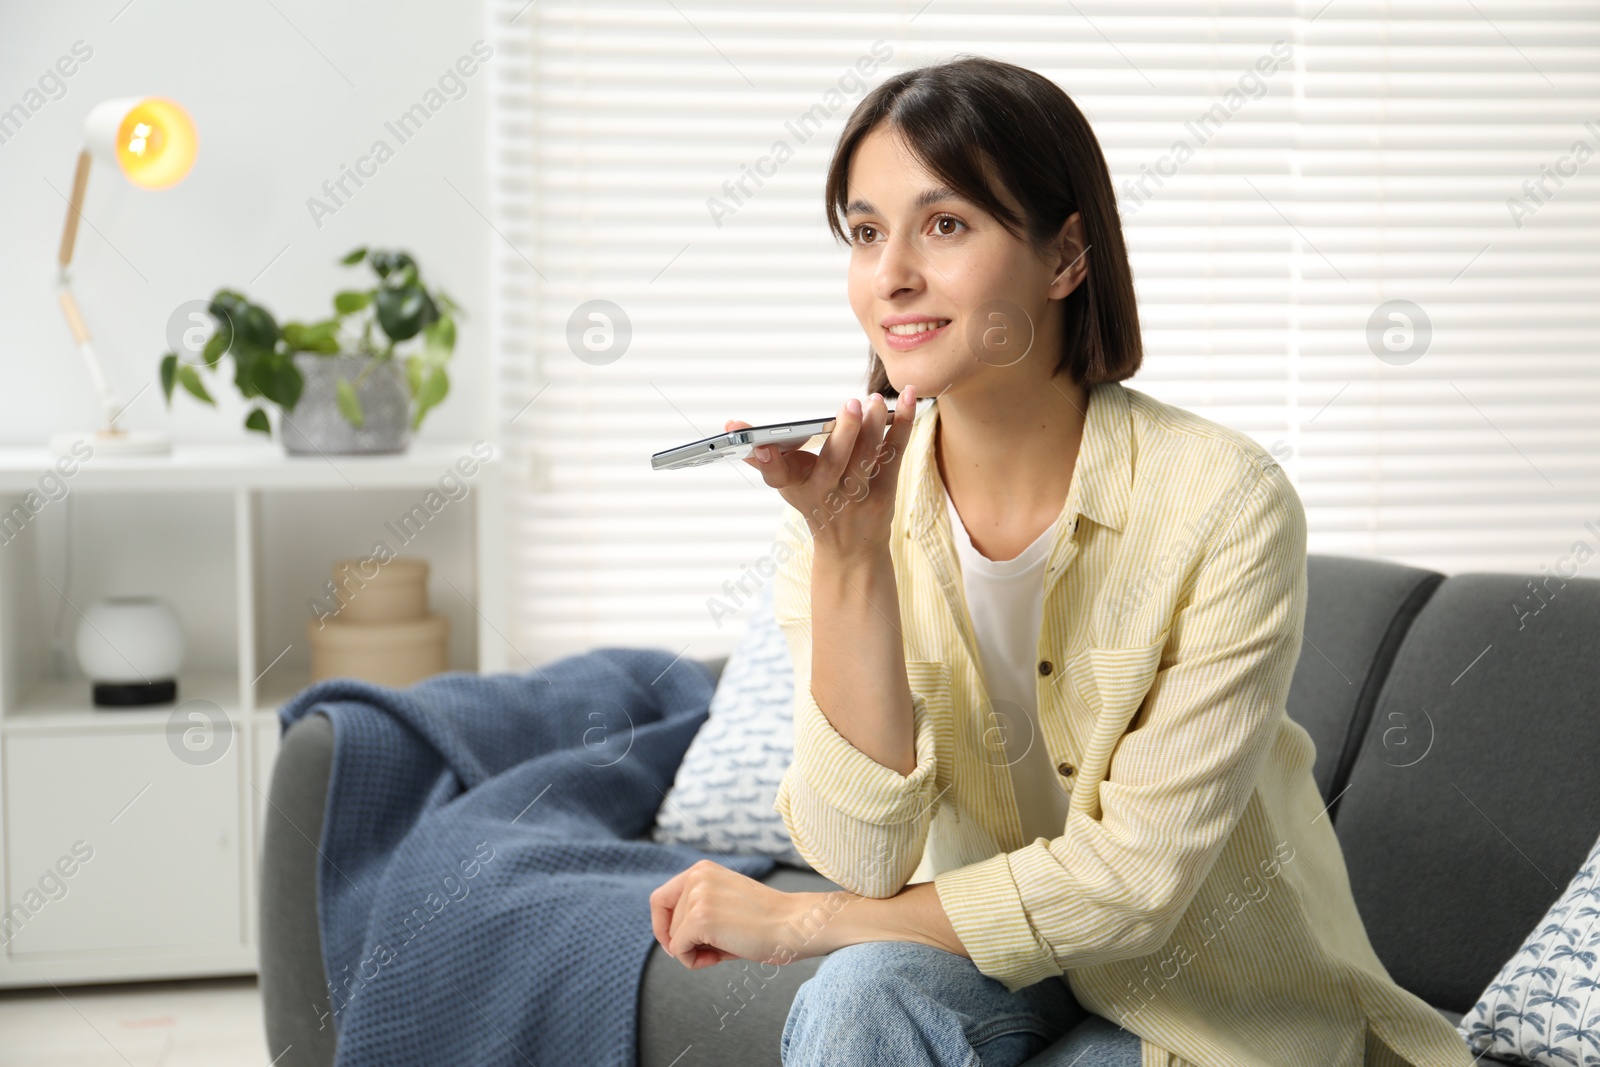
{"x": 1197, "y": 894}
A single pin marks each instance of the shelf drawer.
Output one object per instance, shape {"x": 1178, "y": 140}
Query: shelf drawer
{"x": 164, "y": 872}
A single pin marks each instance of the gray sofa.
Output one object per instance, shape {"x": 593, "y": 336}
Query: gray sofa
{"x": 1457, "y": 725}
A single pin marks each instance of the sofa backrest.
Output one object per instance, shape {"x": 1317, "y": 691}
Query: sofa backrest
{"x": 1475, "y": 792}
{"x": 1357, "y": 612}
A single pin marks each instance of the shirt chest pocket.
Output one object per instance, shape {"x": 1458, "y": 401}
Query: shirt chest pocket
{"x": 1108, "y": 686}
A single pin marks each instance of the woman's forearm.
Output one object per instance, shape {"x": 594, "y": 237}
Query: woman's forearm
{"x": 914, "y": 914}
{"x": 858, "y": 667}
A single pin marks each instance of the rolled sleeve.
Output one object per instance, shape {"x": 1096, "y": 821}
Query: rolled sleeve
{"x": 853, "y": 819}
{"x": 985, "y": 908}
{"x": 1175, "y": 788}
{"x": 853, "y": 784}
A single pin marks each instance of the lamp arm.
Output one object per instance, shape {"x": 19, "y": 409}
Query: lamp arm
{"x": 110, "y": 403}
{"x": 69, "y": 233}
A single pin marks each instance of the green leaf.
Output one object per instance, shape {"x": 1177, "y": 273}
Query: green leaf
{"x": 386, "y": 263}
{"x": 257, "y": 420}
{"x": 327, "y": 331}
{"x": 350, "y": 404}
{"x": 226, "y": 303}
{"x": 351, "y": 300}
{"x": 416, "y": 366}
{"x": 316, "y": 337}
{"x": 434, "y": 389}
{"x": 352, "y": 258}
{"x": 439, "y": 338}
{"x": 169, "y": 375}
{"x": 244, "y": 373}
{"x": 403, "y": 312}
{"x": 255, "y": 327}
{"x": 189, "y": 378}
{"x": 218, "y": 343}
{"x": 278, "y": 379}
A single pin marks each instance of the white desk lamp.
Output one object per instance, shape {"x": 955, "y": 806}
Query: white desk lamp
{"x": 152, "y": 141}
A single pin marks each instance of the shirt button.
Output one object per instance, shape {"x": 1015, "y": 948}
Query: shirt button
{"x": 1044, "y": 666}
{"x": 1065, "y": 769}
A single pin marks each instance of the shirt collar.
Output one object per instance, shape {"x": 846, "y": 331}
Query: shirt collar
{"x": 1102, "y": 478}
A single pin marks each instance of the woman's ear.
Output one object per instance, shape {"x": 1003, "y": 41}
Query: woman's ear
{"x": 1071, "y": 265}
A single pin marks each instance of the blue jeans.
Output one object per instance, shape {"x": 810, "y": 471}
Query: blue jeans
{"x": 897, "y": 1002}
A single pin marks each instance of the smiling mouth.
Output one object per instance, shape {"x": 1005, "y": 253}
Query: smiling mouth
{"x": 911, "y": 329}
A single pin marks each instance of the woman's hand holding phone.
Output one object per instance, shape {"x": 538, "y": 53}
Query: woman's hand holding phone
{"x": 846, "y": 491}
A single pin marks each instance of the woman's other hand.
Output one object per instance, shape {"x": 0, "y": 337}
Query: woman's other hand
{"x": 709, "y": 914}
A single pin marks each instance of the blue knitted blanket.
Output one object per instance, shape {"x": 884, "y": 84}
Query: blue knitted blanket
{"x": 483, "y": 892}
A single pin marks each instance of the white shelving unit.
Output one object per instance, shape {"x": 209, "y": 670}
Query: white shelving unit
{"x": 239, "y": 538}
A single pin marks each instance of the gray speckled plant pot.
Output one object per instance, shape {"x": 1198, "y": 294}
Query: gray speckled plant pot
{"x": 316, "y": 426}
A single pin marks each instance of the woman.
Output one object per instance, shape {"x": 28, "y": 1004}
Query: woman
{"x": 1043, "y": 631}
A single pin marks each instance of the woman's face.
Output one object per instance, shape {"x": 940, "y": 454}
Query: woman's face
{"x": 947, "y": 296}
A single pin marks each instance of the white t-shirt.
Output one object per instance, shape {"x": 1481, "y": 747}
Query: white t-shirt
{"x": 1006, "y": 601}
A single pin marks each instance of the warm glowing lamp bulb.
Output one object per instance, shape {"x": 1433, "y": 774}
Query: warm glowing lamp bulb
{"x": 151, "y": 139}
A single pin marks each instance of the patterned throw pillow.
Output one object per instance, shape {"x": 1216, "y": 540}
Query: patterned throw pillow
{"x": 1544, "y": 1005}
{"x": 721, "y": 799}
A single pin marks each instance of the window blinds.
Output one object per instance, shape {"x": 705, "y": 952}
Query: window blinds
{"x": 1364, "y": 234}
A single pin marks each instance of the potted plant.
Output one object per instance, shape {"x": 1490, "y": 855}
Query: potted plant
{"x": 340, "y": 384}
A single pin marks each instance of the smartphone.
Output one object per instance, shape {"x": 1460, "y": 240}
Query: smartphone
{"x": 737, "y": 444}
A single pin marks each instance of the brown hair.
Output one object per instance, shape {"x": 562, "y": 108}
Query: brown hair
{"x": 962, "y": 114}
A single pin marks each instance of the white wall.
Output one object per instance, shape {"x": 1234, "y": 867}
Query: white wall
{"x": 281, "y": 102}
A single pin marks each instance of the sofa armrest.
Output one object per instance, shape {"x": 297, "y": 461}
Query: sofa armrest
{"x": 294, "y": 987}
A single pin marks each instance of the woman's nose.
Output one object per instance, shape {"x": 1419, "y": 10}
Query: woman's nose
{"x": 900, "y": 267}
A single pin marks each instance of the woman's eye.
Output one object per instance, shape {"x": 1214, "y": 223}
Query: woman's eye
{"x": 943, "y": 226}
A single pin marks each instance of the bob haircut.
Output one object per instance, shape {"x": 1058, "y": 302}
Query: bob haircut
{"x": 964, "y": 114}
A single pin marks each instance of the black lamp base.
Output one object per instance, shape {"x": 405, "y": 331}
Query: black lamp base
{"x": 135, "y": 694}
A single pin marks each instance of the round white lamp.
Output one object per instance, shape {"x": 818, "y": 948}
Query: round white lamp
{"x": 131, "y": 647}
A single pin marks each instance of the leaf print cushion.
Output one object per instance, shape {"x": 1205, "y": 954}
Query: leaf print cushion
{"x": 1544, "y": 1005}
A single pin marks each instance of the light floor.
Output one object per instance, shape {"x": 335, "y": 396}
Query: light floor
{"x": 211, "y": 1022}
